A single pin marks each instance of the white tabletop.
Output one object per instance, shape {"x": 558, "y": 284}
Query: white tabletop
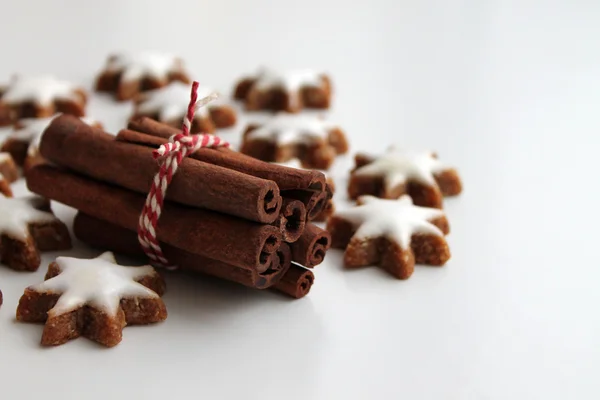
{"x": 508, "y": 91}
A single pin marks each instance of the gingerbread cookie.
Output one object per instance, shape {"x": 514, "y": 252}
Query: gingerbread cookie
{"x": 27, "y": 227}
{"x": 24, "y": 141}
{"x": 39, "y": 97}
{"x": 290, "y": 91}
{"x": 127, "y": 75}
{"x": 170, "y": 103}
{"x": 418, "y": 174}
{"x": 8, "y": 168}
{"x": 94, "y": 298}
{"x": 394, "y": 234}
{"x": 310, "y": 139}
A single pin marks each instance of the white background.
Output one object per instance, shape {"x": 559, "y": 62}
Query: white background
{"x": 508, "y": 91}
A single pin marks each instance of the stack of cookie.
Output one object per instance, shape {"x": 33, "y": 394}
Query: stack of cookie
{"x": 27, "y": 225}
{"x": 28, "y": 104}
{"x": 398, "y": 221}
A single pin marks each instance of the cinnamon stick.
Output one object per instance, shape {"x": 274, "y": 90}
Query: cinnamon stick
{"x": 310, "y": 249}
{"x": 315, "y": 202}
{"x": 104, "y": 235}
{"x": 296, "y": 282}
{"x": 311, "y": 196}
{"x": 71, "y": 143}
{"x": 217, "y": 236}
{"x": 291, "y": 220}
{"x": 285, "y": 177}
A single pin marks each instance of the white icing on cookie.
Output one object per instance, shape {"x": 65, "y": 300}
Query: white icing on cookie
{"x": 399, "y": 166}
{"x": 171, "y": 102}
{"x": 291, "y": 82}
{"x": 31, "y": 131}
{"x": 42, "y": 90}
{"x": 396, "y": 220}
{"x": 17, "y": 214}
{"x": 100, "y": 283}
{"x": 135, "y": 66}
{"x": 292, "y": 129}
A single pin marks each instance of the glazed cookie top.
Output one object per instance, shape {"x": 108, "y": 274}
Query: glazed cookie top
{"x": 42, "y": 90}
{"x": 396, "y": 220}
{"x": 99, "y": 282}
{"x": 17, "y": 214}
{"x": 291, "y": 80}
{"x": 399, "y": 166}
{"x": 292, "y": 129}
{"x": 171, "y": 102}
{"x": 31, "y": 130}
{"x": 135, "y": 66}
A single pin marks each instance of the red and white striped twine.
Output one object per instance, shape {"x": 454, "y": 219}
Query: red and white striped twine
{"x": 169, "y": 156}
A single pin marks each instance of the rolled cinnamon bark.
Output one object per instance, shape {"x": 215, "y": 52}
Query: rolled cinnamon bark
{"x": 104, "y": 235}
{"x": 315, "y": 202}
{"x": 71, "y": 143}
{"x": 296, "y": 282}
{"x": 291, "y": 220}
{"x": 312, "y": 195}
{"x": 310, "y": 249}
{"x": 214, "y": 235}
{"x": 285, "y": 177}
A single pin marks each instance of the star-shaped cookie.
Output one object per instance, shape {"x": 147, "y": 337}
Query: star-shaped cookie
{"x": 93, "y": 298}
{"x": 41, "y": 96}
{"x": 128, "y": 74}
{"x": 27, "y": 227}
{"x": 170, "y": 103}
{"x": 289, "y": 91}
{"x": 310, "y": 139}
{"x": 419, "y": 174}
{"x": 394, "y": 234}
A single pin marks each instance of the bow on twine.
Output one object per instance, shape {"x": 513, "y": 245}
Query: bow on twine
{"x": 170, "y": 156}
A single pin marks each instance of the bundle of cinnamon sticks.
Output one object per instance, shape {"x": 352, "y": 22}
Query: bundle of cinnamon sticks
{"x": 226, "y": 214}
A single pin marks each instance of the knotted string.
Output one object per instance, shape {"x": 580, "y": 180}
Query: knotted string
{"x": 169, "y": 157}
